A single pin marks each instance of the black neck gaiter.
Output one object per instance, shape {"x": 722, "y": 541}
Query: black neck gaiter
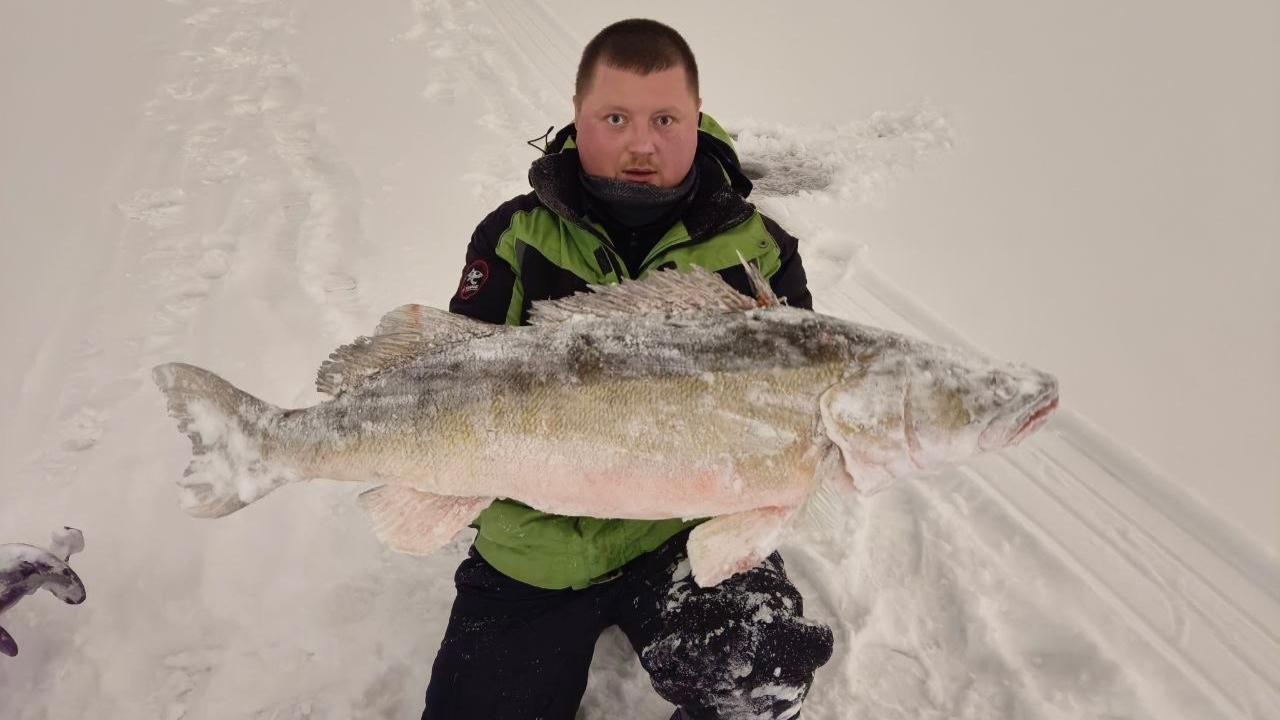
{"x": 636, "y": 205}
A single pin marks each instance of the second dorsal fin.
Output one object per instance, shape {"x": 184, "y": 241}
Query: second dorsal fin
{"x": 666, "y": 292}
{"x": 402, "y": 334}
{"x": 432, "y": 325}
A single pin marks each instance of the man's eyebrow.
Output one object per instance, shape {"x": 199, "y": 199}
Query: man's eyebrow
{"x": 670, "y": 110}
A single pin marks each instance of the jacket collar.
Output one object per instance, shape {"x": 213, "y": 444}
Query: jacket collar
{"x": 715, "y": 207}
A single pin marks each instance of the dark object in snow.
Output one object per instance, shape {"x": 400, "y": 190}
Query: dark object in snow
{"x": 25, "y": 569}
{"x": 7, "y": 644}
{"x": 738, "y": 649}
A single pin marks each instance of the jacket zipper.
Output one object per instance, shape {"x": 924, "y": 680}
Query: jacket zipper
{"x": 616, "y": 266}
{"x": 689, "y": 241}
{"x": 645, "y": 265}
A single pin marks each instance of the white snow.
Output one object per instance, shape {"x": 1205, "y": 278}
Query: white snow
{"x": 248, "y": 185}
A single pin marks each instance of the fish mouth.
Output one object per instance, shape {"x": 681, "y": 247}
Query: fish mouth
{"x": 1001, "y": 433}
{"x": 1038, "y": 417}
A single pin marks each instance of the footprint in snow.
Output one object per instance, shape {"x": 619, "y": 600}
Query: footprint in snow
{"x": 213, "y": 264}
{"x": 158, "y": 209}
{"x": 83, "y": 430}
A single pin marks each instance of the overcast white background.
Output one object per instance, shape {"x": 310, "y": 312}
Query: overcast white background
{"x": 1102, "y": 200}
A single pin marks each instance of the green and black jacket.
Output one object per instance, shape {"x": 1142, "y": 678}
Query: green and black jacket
{"x": 545, "y": 245}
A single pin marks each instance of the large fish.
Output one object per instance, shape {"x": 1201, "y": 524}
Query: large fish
{"x": 673, "y": 396}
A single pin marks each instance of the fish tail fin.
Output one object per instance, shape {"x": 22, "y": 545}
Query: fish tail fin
{"x": 227, "y": 427}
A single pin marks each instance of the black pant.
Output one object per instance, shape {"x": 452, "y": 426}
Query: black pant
{"x": 517, "y": 652}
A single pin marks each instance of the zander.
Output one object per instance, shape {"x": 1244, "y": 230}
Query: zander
{"x": 736, "y": 409}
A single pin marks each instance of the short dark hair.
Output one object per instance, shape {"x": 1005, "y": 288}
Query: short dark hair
{"x": 639, "y": 46}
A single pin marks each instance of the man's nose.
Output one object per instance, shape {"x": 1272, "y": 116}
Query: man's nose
{"x": 641, "y": 140}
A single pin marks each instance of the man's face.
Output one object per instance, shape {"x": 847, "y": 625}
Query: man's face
{"x": 641, "y": 128}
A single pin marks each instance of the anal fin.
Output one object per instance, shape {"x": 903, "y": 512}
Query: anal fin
{"x": 729, "y": 544}
{"x": 415, "y": 522}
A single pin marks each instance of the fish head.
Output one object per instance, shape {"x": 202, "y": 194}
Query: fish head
{"x": 897, "y": 414}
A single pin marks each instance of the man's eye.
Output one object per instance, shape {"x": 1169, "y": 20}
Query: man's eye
{"x": 666, "y": 121}
{"x": 614, "y": 119}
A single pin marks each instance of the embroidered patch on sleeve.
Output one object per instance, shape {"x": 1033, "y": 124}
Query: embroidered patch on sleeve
{"x": 474, "y": 276}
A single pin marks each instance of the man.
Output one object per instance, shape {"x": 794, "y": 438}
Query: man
{"x": 641, "y": 181}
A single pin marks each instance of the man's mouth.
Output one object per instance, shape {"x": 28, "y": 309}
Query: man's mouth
{"x": 639, "y": 174}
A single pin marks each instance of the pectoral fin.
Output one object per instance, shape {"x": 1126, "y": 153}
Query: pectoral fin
{"x": 415, "y": 522}
{"x": 825, "y": 509}
{"x": 727, "y": 545}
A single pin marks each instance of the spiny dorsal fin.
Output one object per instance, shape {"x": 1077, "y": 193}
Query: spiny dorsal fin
{"x": 764, "y": 294}
{"x": 666, "y": 292}
{"x": 401, "y": 335}
{"x": 350, "y": 365}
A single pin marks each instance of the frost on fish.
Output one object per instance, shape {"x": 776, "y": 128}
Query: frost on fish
{"x": 229, "y": 431}
{"x": 729, "y": 544}
{"x": 24, "y": 569}
{"x": 418, "y": 523}
{"x": 668, "y": 397}
{"x": 899, "y": 413}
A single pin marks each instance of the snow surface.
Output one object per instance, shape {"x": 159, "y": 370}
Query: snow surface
{"x": 247, "y": 185}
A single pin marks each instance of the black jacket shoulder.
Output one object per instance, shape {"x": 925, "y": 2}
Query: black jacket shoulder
{"x": 497, "y": 222}
{"x": 488, "y": 282}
